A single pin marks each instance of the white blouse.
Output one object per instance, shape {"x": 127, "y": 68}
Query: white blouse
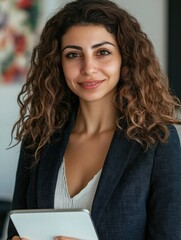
{"x": 83, "y": 199}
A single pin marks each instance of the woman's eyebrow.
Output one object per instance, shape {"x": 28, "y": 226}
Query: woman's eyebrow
{"x": 101, "y": 44}
{"x": 72, "y": 46}
{"x": 94, "y": 46}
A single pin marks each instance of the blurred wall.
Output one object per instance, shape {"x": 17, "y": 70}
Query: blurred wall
{"x": 152, "y": 15}
{"x": 8, "y": 158}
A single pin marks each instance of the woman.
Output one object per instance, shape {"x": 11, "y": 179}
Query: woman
{"x": 96, "y": 122}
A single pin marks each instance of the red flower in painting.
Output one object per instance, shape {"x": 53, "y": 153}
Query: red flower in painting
{"x": 19, "y": 43}
{"x": 24, "y": 3}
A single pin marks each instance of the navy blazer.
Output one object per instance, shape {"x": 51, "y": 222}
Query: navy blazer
{"x": 138, "y": 196}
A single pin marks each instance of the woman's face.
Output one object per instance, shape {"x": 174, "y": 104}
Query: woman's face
{"x": 91, "y": 62}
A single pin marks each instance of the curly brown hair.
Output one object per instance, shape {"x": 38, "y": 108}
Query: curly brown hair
{"x": 143, "y": 99}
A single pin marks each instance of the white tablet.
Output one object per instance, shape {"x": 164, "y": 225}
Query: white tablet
{"x": 46, "y": 224}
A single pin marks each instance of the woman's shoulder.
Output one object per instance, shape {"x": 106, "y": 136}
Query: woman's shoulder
{"x": 173, "y": 138}
{"x": 168, "y": 154}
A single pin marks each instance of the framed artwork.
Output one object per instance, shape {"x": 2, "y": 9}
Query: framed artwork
{"x": 18, "y": 30}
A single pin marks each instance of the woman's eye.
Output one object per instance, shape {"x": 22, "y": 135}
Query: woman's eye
{"x": 103, "y": 52}
{"x": 72, "y": 55}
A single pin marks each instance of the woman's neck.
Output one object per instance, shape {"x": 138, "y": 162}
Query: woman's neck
{"x": 95, "y": 117}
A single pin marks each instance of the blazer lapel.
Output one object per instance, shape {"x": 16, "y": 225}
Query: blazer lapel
{"x": 117, "y": 158}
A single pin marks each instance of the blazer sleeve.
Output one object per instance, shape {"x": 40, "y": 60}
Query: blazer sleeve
{"x": 21, "y": 185}
{"x": 164, "y": 204}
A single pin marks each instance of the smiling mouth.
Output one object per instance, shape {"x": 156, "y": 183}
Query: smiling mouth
{"x": 91, "y": 84}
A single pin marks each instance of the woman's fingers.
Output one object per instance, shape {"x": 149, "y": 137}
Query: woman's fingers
{"x": 18, "y": 238}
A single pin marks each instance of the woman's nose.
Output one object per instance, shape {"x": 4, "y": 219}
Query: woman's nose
{"x": 89, "y": 66}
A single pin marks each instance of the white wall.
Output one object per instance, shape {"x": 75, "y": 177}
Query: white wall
{"x": 151, "y": 15}
{"x": 8, "y": 158}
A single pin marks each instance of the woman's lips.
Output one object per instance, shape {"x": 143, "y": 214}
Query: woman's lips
{"x": 90, "y": 84}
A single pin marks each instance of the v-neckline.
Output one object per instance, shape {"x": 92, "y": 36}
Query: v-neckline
{"x": 82, "y": 191}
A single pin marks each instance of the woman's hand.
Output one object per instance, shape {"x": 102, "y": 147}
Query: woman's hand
{"x": 18, "y": 238}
